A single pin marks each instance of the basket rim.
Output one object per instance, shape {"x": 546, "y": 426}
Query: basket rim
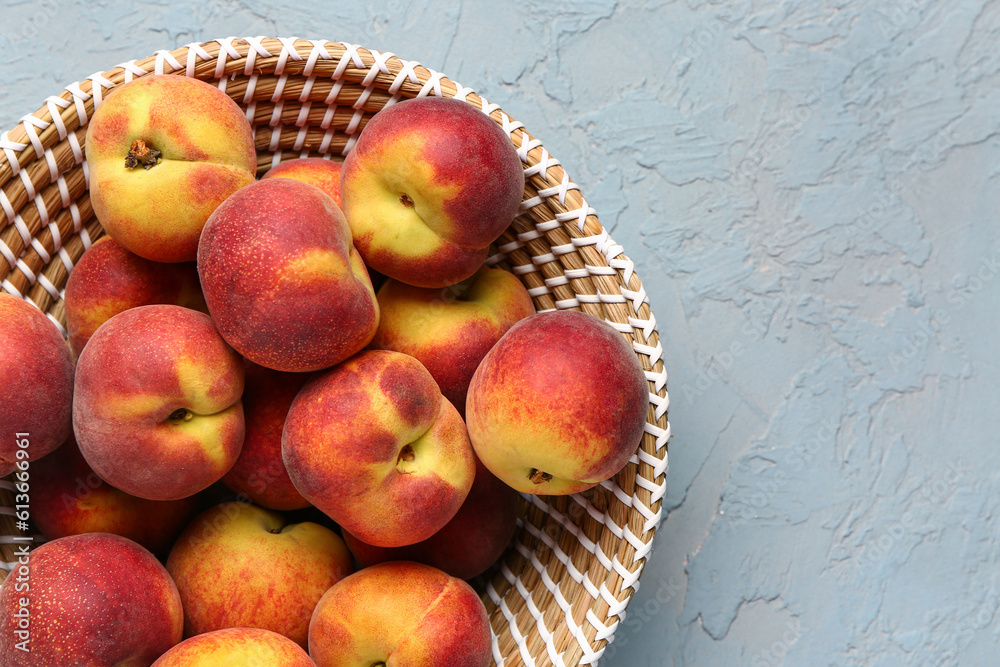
{"x": 559, "y": 227}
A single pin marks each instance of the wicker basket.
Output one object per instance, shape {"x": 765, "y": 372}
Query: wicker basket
{"x": 565, "y": 582}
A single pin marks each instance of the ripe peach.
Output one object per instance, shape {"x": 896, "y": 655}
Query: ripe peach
{"x": 156, "y": 205}
{"x": 282, "y": 280}
{"x": 449, "y": 330}
{"x": 68, "y": 498}
{"x": 157, "y": 411}
{"x": 36, "y": 384}
{"x": 468, "y": 544}
{"x": 236, "y": 647}
{"x": 321, "y": 172}
{"x": 430, "y": 184}
{"x": 238, "y": 565}
{"x": 259, "y": 472}
{"x": 97, "y": 600}
{"x": 374, "y": 445}
{"x": 558, "y": 405}
{"x": 400, "y": 613}
{"x": 109, "y": 279}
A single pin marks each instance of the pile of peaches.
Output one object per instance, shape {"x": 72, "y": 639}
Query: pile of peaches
{"x": 294, "y": 414}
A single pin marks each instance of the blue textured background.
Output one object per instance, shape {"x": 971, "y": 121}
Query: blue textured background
{"x": 809, "y": 191}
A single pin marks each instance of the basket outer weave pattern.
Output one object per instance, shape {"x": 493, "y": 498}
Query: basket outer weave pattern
{"x": 563, "y": 586}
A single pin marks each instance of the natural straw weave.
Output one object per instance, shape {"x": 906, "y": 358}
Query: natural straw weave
{"x": 562, "y": 588}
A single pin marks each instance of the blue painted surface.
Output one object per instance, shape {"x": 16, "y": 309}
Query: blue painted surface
{"x": 809, "y": 191}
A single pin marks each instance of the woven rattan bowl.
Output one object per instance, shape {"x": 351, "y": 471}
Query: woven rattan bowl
{"x": 563, "y": 585}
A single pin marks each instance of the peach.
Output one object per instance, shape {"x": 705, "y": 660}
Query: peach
{"x": 157, "y": 411}
{"x": 164, "y": 152}
{"x": 400, "y": 613}
{"x": 238, "y": 565}
{"x": 468, "y": 544}
{"x": 236, "y": 647}
{"x": 282, "y": 280}
{"x": 374, "y": 445}
{"x": 558, "y": 405}
{"x": 109, "y": 279}
{"x": 430, "y": 184}
{"x": 259, "y": 473}
{"x": 449, "y": 330}
{"x": 97, "y": 600}
{"x": 36, "y": 384}
{"x": 68, "y": 498}
{"x": 321, "y": 172}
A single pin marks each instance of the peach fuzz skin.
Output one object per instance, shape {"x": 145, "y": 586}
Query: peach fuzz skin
{"x": 282, "y": 279}
{"x": 323, "y": 173}
{"x": 259, "y": 473}
{"x": 374, "y": 445}
{"x": 36, "y": 384}
{"x": 236, "y": 647}
{"x": 430, "y": 184}
{"x": 399, "y": 614}
{"x": 109, "y": 279}
{"x": 449, "y": 330}
{"x": 208, "y": 153}
{"x": 97, "y": 600}
{"x": 558, "y": 405}
{"x": 157, "y": 411}
{"x": 239, "y": 565}
{"x": 68, "y": 498}
{"x": 468, "y": 544}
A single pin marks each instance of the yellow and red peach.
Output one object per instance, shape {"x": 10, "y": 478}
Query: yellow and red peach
{"x": 238, "y": 565}
{"x": 156, "y": 205}
{"x": 468, "y": 544}
{"x": 109, "y": 279}
{"x": 157, "y": 411}
{"x": 449, "y": 330}
{"x": 400, "y": 613}
{"x": 68, "y": 498}
{"x": 259, "y": 473}
{"x": 321, "y": 172}
{"x": 282, "y": 280}
{"x": 558, "y": 405}
{"x": 36, "y": 384}
{"x": 374, "y": 445}
{"x": 236, "y": 647}
{"x": 430, "y": 184}
{"x": 98, "y": 600}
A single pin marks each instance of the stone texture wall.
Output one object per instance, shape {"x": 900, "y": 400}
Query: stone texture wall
{"x": 809, "y": 191}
